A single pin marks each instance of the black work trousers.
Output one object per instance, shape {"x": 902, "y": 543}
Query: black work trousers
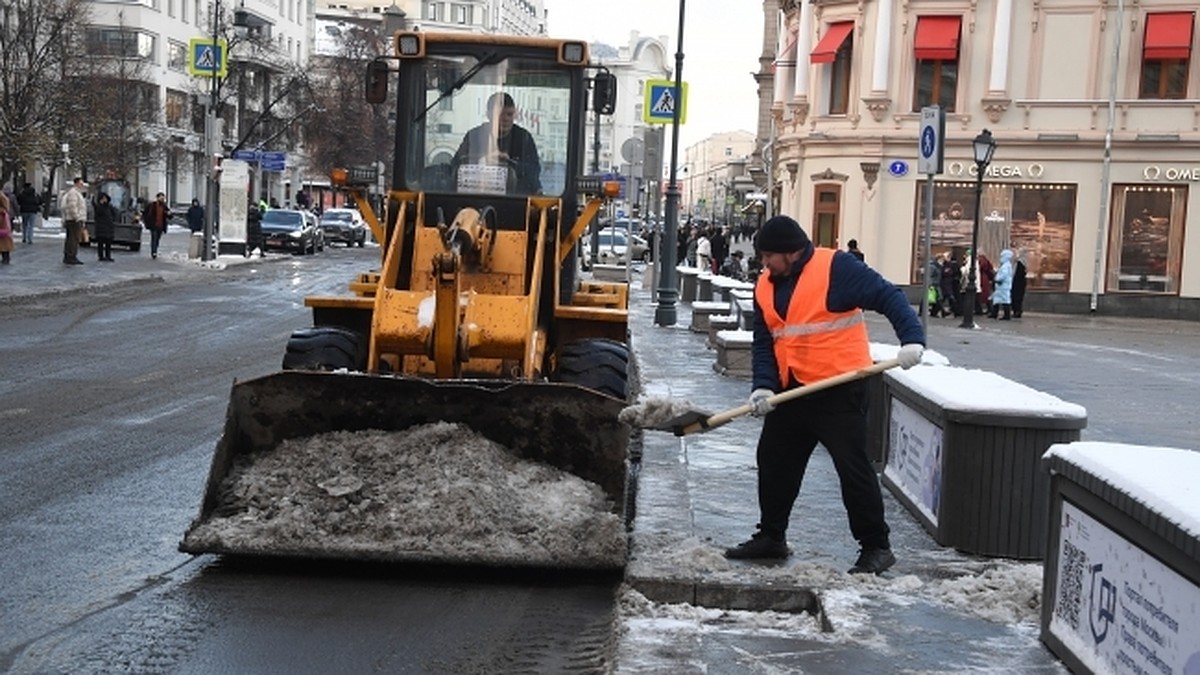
{"x": 836, "y": 418}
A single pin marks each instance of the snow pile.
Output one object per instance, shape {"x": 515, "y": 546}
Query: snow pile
{"x": 437, "y": 492}
{"x": 654, "y": 412}
{"x": 1001, "y": 592}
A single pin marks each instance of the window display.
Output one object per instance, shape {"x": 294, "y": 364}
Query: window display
{"x": 1146, "y": 238}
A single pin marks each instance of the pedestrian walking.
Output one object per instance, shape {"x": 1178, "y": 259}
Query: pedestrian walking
{"x": 809, "y": 326}
{"x": 1020, "y": 273}
{"x": 155, "y": 217}
{"x": 29, "y": 203}
{"x": 1002, "y": 287}
{"x": 106, "y": 227}
{"x": 195, "y": 216}
{"x": 74, "y": 214}
{"x": 6, "y": 230}
{"x": 951, "y": 283}
{"x": 704, "y": 252}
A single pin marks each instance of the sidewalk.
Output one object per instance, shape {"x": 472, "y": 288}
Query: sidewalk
{"x": 932, "y": 612}
{"x": 37, "y": 268}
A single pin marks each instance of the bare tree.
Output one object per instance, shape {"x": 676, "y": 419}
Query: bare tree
{"x": 39, "y": 47}
{"x": 346, "y": 130}
{"x": 118, "y": 127}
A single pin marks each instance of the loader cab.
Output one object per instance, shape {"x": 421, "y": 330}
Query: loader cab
{"x": 501, "y": 119}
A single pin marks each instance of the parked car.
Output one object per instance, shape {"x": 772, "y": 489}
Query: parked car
{"x": 616, "y": 247}
{"x": 291, "y": 230}
{"x": 344, "y": 225}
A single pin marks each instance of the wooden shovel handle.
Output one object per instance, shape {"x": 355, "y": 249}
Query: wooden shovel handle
{"x": 782, "y": 397}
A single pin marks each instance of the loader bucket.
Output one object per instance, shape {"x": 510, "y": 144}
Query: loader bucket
{"x": 570, "y": 428}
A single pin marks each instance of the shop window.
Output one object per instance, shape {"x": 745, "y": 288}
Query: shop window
{"x": 1166, "y": 55}
{"x": 1145, "y": 239}
{"x": 827, "y": 208}
{"x": 836, "y": 48}
{"x": 935, "y": 47}
{"x": 176, "y": 56}
{"x": 1035, "y": 221}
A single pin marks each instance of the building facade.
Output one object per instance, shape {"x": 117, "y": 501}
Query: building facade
{"x": 1094, "y": 109}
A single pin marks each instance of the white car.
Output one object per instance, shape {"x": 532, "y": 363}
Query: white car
{"x": 617, "y": 248}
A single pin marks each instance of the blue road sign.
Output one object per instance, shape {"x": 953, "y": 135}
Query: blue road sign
{"x": 246, "y": 155}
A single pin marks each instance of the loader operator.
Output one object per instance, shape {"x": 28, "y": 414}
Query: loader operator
{"x": 808, "y": 326}
{"x": 501, "y": 142}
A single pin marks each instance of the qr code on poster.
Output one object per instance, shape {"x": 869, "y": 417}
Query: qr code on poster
{"x": 1070, "y": 584}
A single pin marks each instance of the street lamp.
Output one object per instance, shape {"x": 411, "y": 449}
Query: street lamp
{"x": 664, "y": 313}
{"x": 984, "y": 146}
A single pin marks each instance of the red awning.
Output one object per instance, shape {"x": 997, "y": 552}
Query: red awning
{"x": 1168, "y": 35}
{"x": 937, "y": 38}
{"x": 829, "y": 45}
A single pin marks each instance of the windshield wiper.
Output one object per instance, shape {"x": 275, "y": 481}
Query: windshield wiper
{"x": 458, "y": 84}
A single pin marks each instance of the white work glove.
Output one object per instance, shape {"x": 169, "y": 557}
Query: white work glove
{"x": 759, "y": 402}
{"x": 910, "y": 355}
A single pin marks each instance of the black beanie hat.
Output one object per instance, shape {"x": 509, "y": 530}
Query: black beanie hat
{"x": 781, "y": 234}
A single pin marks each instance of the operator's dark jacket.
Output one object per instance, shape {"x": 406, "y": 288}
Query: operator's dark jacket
{"x": 852, "y": 284}
{"x": 517, "y": 144}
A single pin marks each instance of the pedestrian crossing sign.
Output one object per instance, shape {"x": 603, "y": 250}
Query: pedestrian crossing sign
{"x": 207, "y": 59}
{"x": 660, "y": 101}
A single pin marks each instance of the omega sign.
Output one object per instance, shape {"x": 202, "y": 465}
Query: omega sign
{"x": 1034, "y": 170}
{"x": 1171, "y": 173}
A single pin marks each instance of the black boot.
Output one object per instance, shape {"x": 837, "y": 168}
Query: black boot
{"x": 1007, "y": 313}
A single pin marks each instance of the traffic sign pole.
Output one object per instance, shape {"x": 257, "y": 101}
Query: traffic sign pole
{"x": 930, "y": 155}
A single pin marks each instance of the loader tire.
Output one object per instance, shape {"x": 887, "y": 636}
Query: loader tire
{"x": 601, "y": 365}
{"x": 325, "y": 348}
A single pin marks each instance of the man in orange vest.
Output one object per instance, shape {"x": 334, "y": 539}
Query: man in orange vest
{"x": 808, "y": 326}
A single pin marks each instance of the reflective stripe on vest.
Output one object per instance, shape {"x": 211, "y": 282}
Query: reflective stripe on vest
{"x": 813, "y": 343}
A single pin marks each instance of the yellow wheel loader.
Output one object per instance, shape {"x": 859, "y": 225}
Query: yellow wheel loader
{"x": 477, "y": 316}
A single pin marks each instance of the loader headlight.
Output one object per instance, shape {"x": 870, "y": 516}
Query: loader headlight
{"x": 410, "y": 44}
{"x": 573, "y": 52}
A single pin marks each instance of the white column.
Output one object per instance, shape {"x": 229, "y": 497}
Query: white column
{"x": 883, "y": 46}
{"x": 785, "y": 63}
{"x": 803, "y": 50}
{"x": 1001, "y": 42}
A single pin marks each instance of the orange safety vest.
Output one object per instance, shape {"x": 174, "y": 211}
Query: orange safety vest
{"x": 813, "y": 343}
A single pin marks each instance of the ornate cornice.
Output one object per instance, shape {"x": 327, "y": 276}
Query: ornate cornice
{"x": 995, "y": 107}
{"x": 877, "y": 106}
{"x": 799, "y": 109}
{"x": 829, "y": 175}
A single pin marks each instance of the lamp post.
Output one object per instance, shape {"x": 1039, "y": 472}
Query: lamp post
{"x": 664, "y": 313}
{"x": 213, "y": 128}
{"x": 983, "y": 146}
{"x": 211, "y": 134}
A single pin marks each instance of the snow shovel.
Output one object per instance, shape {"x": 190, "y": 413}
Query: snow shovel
{"x": 697, "y": 421}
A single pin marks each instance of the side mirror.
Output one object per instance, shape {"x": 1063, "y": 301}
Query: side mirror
{"x": 377, "y": 81}
{"x": 604, "y": 93}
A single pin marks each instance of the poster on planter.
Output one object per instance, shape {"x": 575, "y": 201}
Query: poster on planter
{"x": 1119, "y": 609}
{"x": 915, "y": 458}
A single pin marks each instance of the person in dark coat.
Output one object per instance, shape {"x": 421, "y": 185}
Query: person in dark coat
{"x": 30, "y": 205}
{"x": 951, "y": 284}
{"x": 500, "y": 142}
{"x": 155, "y": 217}
{"x": 106, "y": 227}
{"x": 719, "y": 244}
{"x": 195, "y": 216}
{"x": 808, "y": 327}
{"x": 1018, "y": 285}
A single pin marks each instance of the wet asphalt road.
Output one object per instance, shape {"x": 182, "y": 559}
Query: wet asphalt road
{"x": 114, "y": 400}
